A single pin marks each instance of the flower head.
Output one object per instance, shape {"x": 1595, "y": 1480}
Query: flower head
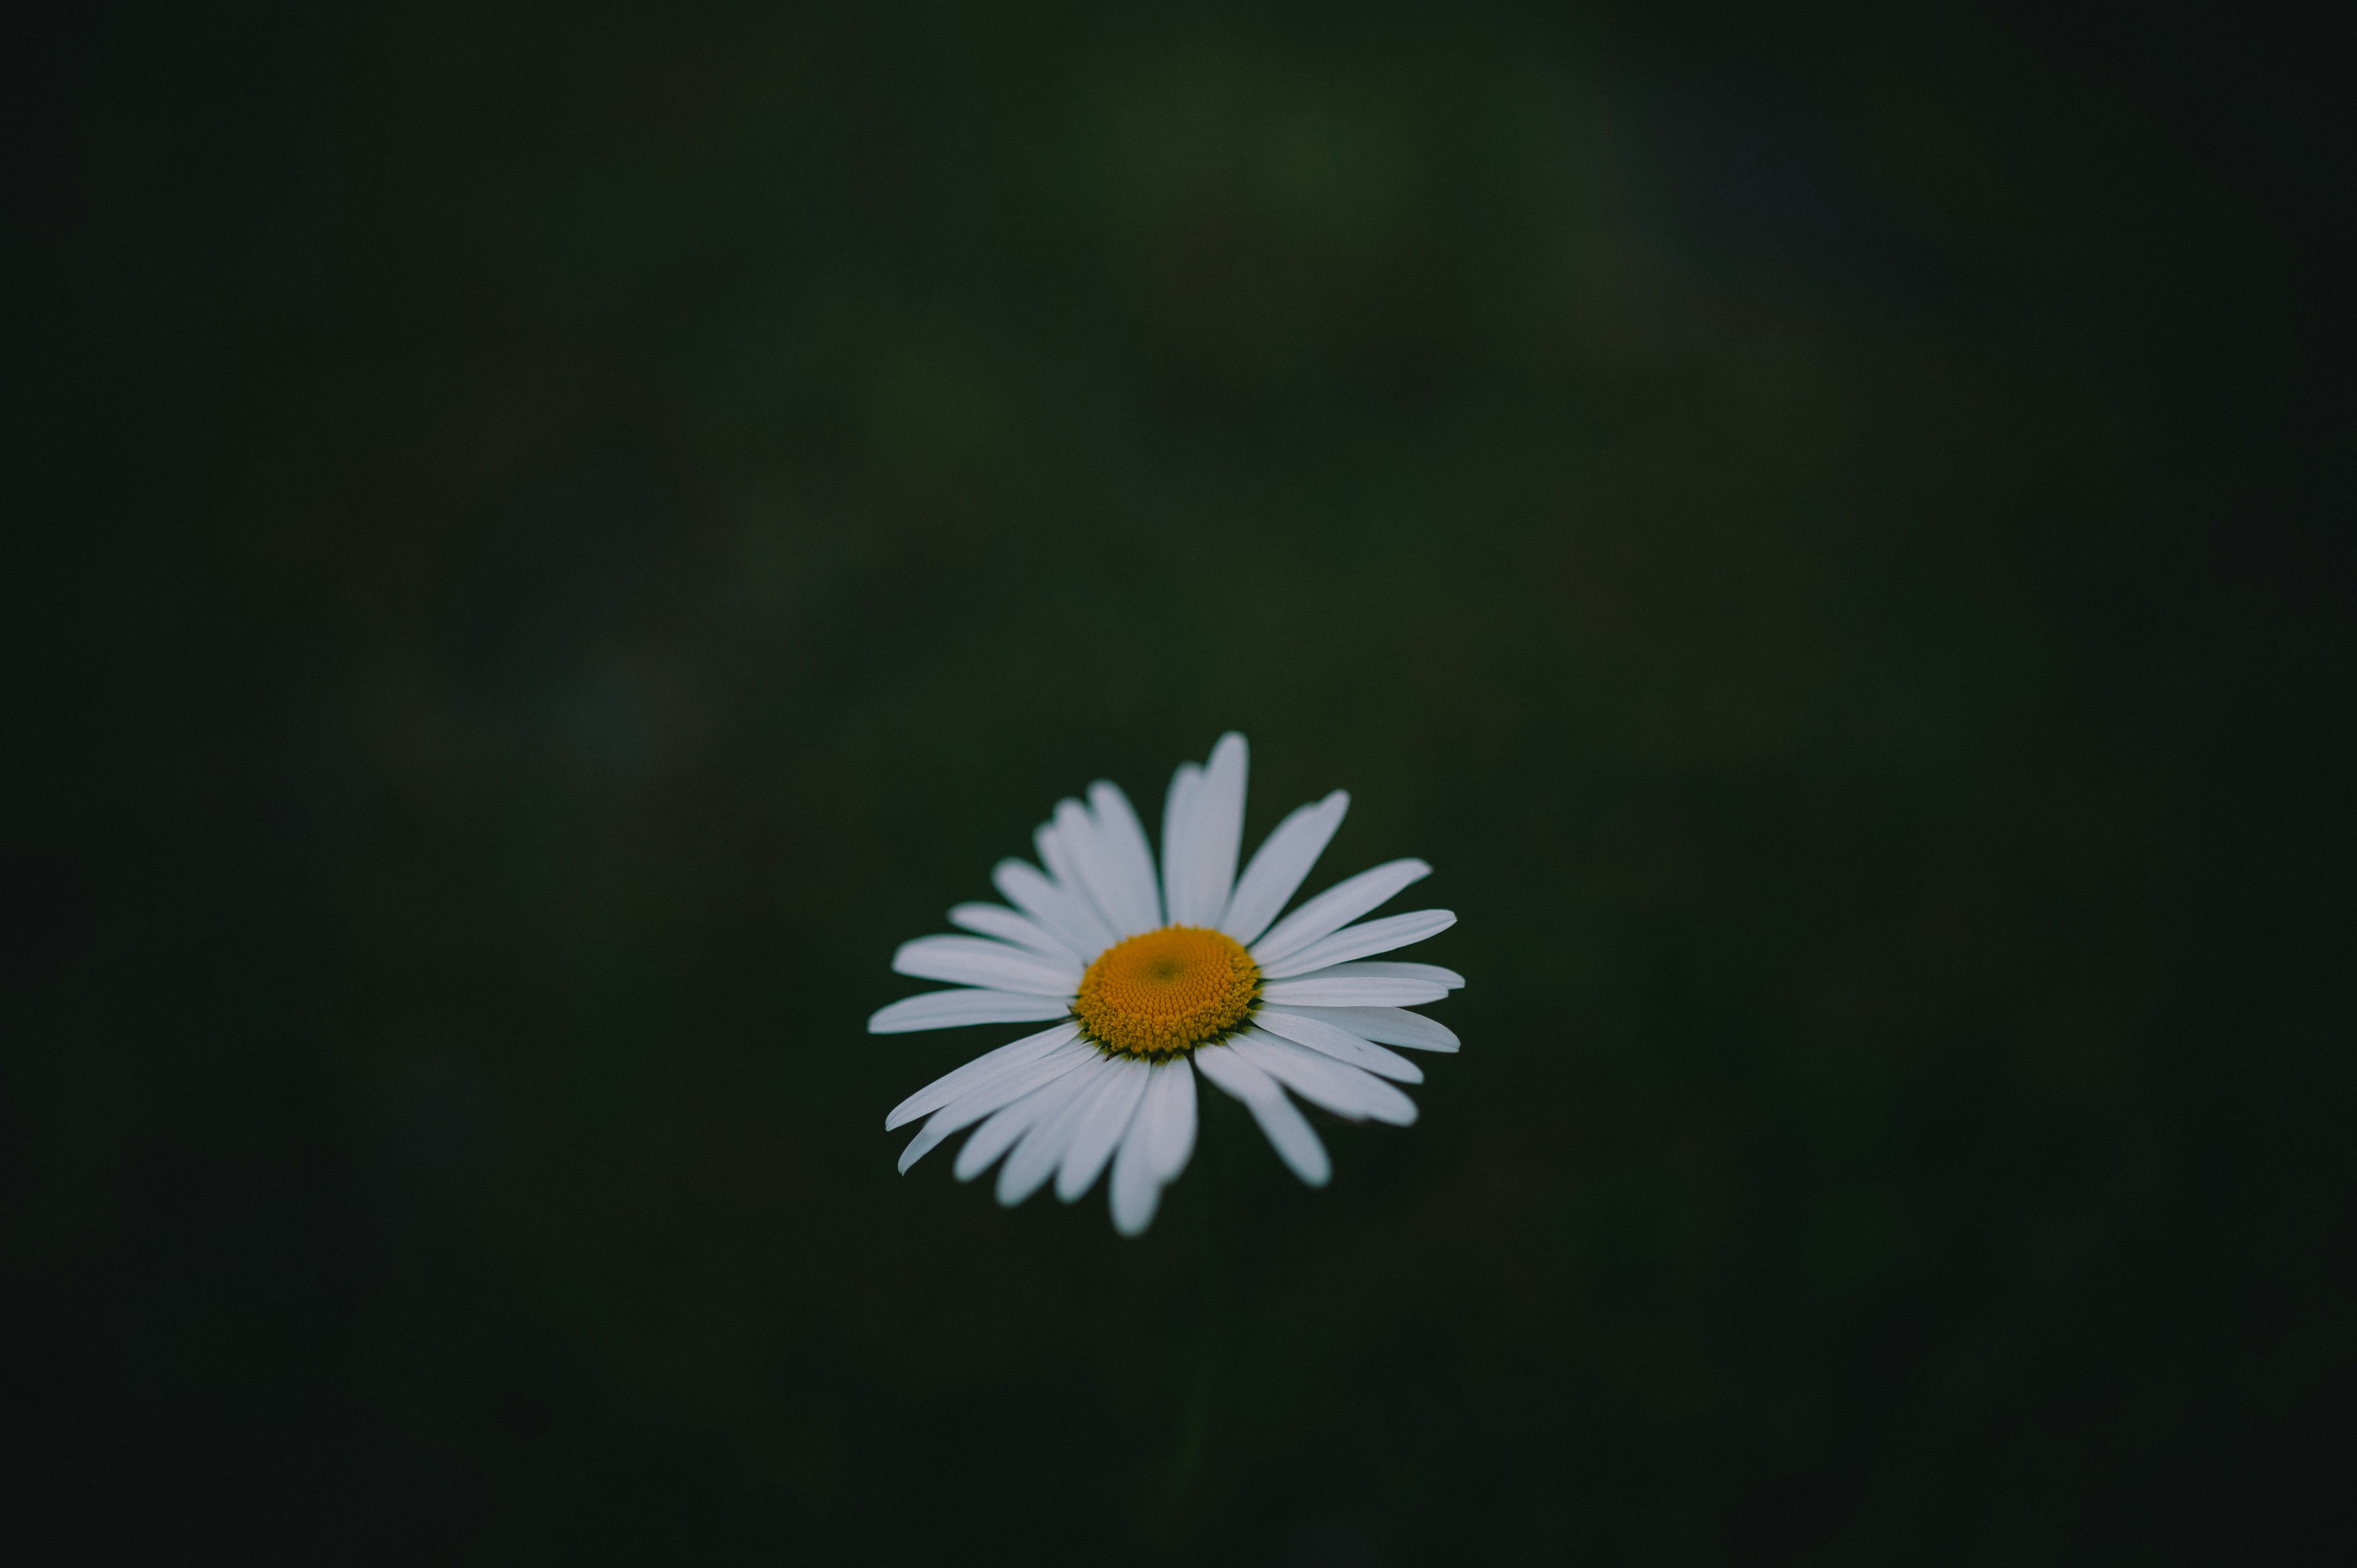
{"x": 1151, "y": 980}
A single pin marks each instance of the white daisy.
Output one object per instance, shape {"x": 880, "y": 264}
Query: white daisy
{"x": 1145, "y": 982}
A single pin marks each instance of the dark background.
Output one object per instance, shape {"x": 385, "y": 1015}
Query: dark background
{"x": 547, "y": 540}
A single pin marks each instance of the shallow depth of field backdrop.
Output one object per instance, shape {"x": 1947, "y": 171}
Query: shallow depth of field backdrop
{"x": 583, "y": 529}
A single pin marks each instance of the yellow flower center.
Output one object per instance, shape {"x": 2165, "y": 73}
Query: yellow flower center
{"x": 1167, "y": 991}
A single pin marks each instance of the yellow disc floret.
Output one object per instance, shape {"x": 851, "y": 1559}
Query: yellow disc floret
{"x": 1167, "y": 992}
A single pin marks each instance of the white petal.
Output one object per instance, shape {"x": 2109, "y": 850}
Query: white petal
{"x": 1336, "y": 908}
{"x": 1170, "y": 1115}
{"x": 1100, "y": 1131}
{"x": 1338, "y": 1043}
{"x": 1003, "y": 924}
{"x": 1284, "y": 858}
{"x": 1161, "y": 1136}
{"x": 1126, "y": 856}
{"x": 1041, "y": 1150}
{"x": 1387, "y": 1025}
{"x": 973, "y": 961}
{"x": 1218, "y": 837}
{"x": 949, "y": 1086}
{"x": 1319, "y": 1079}
{"x": 1012, "y": 1120}
{"x": 1136, "y": 1192}
{"x": 978, "y": 1099}
{"x": 1073, "y": 835}
{"x": 1397, "y": 969}
{"x": 1339, "y": 987}
{"x": 1362, "y": 940}
{"x": 1294, "y": 1141}
{"x": 1068, "y": 848}
{"x": 1180, "y": 820}
{"x": 953, "y": 1009}
{"x": 1062, "y": 911}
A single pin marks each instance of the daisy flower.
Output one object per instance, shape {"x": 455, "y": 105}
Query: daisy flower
{"x": 1146, "y": 982}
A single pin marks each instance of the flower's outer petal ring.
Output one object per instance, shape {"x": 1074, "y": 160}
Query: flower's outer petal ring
{"x": 973, "y": 961}
{"x": 951, "y": 1084}
{"x": 955, "y": 1009}
{"x": 1384, "y": 1026}
{"x": 1338, "y": 1043}
{"x": 994, "y": 1094}
{"x": 1102, "y": 1129}
{"x": 1336, "y": 908}
{"x": 1319, "y": 1079}
{"x": 1277, "y": 868}
{"x": 1002, "y": 924}
{"x": 1289, "y": 1132}
{"x": 1362, "y": 940}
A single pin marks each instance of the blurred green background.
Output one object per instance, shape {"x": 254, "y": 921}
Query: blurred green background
{"x": 577, "y": 529}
